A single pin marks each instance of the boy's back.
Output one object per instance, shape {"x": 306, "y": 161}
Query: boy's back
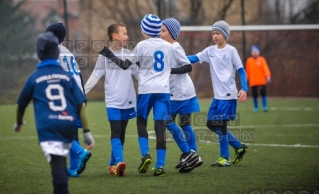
{"x": 55, "y": 99}
{"x": 154, "y": 56}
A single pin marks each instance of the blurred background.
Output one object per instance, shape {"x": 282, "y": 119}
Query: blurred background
{"x": 292, "y": 55}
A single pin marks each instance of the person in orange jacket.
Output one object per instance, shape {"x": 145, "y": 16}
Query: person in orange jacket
{"x": 258, "y": 75}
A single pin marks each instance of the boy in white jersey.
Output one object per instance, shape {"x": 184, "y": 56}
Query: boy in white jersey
{"x": 78, "y": 155}
{"x": 120, "y": 96}
{"x": 183, "y": 98}
{"x": 153, "y": 55}
{"x": 223, "y": 61}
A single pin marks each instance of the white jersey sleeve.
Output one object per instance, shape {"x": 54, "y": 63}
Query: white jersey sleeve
{"x": 181, "y": 85}
{"x": 204, "y": 55}
{"x": 68, "y": 63}
{"x": 236, "y": 59}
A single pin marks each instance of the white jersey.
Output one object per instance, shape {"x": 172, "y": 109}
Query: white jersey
{"x": 118, "y": 84}
{"x": 68, "y": 63}
{"x": 223, "y": 64}
{"x": 181, "y": 85}
{"x": 155, "y": 58}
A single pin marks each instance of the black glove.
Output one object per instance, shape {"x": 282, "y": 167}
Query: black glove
{"x": 109, "y": 54}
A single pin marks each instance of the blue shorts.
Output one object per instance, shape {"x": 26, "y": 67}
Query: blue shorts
{"x": 158, "y": 101}
{"x": 222, "y": 110}
{"x": 116, "y": 114}
{"x": 185, "y": 107}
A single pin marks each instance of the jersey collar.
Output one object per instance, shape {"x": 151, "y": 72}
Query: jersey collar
{"x": 48, "y": 62}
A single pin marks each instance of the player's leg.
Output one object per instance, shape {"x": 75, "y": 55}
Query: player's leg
{"x": 83, "y": 155}
{"x": 123, "y": 131}
{"x": 178, "y": 136}
{"x": 176, "y": 132}
{"x": 144, "y": 105}
{"x": 254, "y": 91}
{"x": 73, "y": 154}
{"x": 264, "y": 97}
{"x": 160, "y": 147}
{"x": 117, "y": 164}
{"x": 188, "y": 131}
{"x": 59, "y": 175}
{"x": 215, "y": 122}
{"x": 161, "y": 112}
{"x": 187, "y": 153}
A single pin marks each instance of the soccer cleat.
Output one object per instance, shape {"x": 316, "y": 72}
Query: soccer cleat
{"x": 265, "y": 108}
{"x": 188, "y": 169}
{"x": 159, "y": 171}
{"x": 82, "y": 160}
{"x": 239, "y": 153}
{"x": 120, "y": 168}
{"x": 187, "y": 159}
{"x": 146, "y": 161}
{"x": 221, "y": 162}
{"x": 71, "y": 173}
{"x": 112, "y": 169}
{"x": 256, "y": 110}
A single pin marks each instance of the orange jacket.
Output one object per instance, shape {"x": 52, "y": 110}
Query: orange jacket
{"x": 257, "y": 71}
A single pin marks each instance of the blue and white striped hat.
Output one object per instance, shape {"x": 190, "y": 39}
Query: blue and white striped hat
{"x": 222, "y": 27}
{"x": 151, "y": 25}
{"x": 173, "y": 26}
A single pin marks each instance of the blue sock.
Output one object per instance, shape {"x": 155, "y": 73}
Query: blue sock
{"x": 178, "y": 137}
{"x": 161, "y": 157}
{"x": 75, "y": 151}
{"x": 223, "y": 144}
{"x": 255, "y": 103}
{"x": 143, "y": 142}
{"x": 190, "y": 137}
{"x": 112, "y": 160}
{"x": 117, "y": 150}
{"x": 233, "y": 141}
{"x": 264, "y": 101}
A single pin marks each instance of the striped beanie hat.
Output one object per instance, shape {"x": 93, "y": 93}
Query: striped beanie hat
{"x": 151, "y": 25}
{"x": 222, "y": 27}
{"x": 173, "y": 26}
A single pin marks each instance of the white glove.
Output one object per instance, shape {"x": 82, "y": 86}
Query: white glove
{"x": 88, "y": 139}
{"x": 18, "y": 128}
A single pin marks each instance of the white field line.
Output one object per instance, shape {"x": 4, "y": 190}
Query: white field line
{"x": 151, "y": 136}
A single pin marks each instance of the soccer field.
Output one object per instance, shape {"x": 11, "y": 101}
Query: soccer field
{"x": 283, "y": 155}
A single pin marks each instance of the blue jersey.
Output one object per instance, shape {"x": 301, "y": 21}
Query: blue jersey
{"x": 56, "y": 101}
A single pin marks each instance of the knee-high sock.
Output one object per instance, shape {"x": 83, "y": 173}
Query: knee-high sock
{"x": 264, "y": 101}
{"x": 161, "y": 158}
{"x": 178, "y": 137}
{"x": 75, "y": 151}
{"x": 143, "y": 143}
{"x": 255, "y": 103}
{"x": 190, "y": 137}
{"x": 223, "y": 144}
{"x": 112, "y": 160}
{"x": 117, "y": 149}
{"x": 233, "y": 141}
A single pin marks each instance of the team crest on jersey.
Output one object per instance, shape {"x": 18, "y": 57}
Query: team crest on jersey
{"x": 224, "y": 57}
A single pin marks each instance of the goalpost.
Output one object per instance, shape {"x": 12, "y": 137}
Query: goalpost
{"x": 254, "y": 27}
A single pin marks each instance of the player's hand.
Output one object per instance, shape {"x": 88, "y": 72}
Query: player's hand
{"x": 88, "y": 139}
{"x": 242, "y": 96}
{"x": 18, "y": 127}
{"x": 268, "y": 80}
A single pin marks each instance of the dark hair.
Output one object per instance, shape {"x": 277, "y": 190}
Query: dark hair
{"x": 114, "y": 28}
